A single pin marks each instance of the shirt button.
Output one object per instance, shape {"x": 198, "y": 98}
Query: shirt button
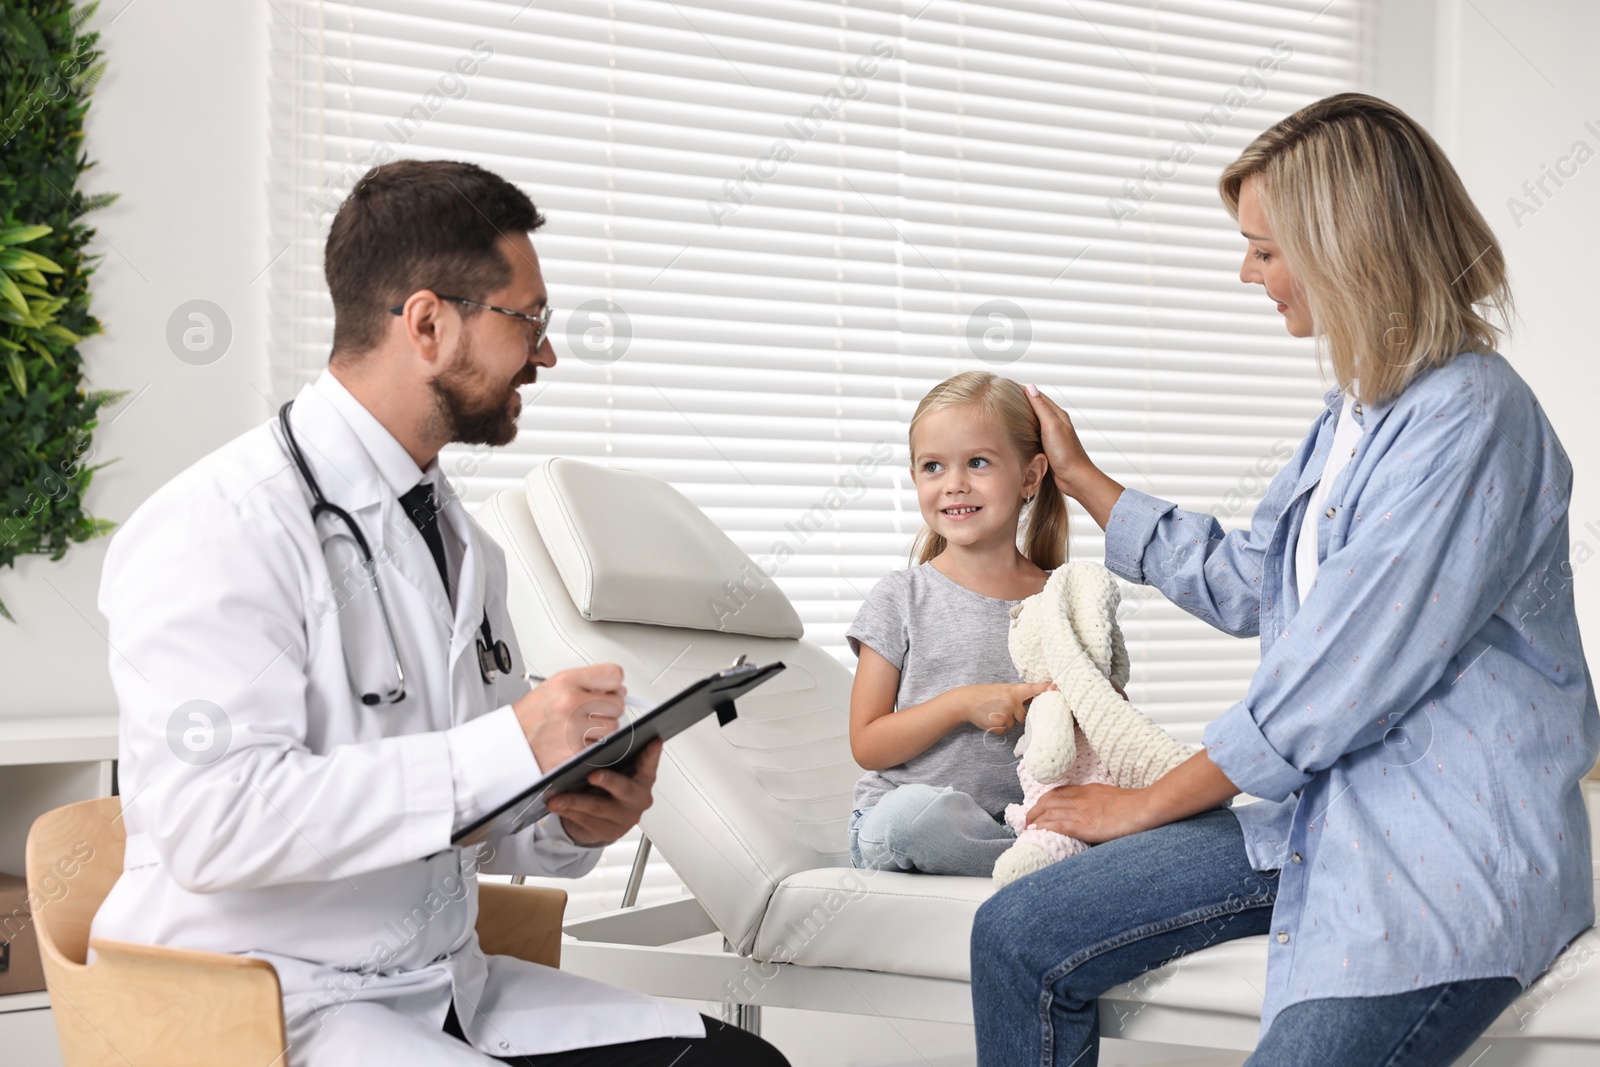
{"x": 1358, "y": 409}
{"x": 1283, "y": 937}
{"x": 1295, "y": 857}
{"x": 1352, "y": 453}
{"x": 505, "y": 1044}
{"x": 1329, "y": 513}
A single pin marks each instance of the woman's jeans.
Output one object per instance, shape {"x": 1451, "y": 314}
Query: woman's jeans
{"x": 927, "y": 828}
{"x": 1045, "y": 947}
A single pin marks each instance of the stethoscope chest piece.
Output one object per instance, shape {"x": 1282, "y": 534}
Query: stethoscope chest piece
{"x": 493, "y": 656}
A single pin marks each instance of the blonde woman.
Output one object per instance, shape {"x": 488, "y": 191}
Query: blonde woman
{"x": 1422, "y": 714}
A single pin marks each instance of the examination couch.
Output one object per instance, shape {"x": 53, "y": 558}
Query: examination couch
{"x": 611, "y": 565}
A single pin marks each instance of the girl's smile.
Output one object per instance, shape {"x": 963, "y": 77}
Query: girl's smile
{"x": 970, "y": 481}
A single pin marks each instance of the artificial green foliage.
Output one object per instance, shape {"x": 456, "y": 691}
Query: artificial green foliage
{"x": 48, "y": 68}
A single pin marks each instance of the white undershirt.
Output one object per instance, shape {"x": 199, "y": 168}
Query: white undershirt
{"x": 1345, "y": 435}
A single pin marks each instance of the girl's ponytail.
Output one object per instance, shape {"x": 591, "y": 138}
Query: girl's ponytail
{"x": 1045, "y": 540}
{"x": 927, "y": 545}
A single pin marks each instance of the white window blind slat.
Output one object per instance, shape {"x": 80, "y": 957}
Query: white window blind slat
{"x": 795, "y": 269}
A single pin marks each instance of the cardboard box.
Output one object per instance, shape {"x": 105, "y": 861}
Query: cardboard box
{"x": 20, "y": 969}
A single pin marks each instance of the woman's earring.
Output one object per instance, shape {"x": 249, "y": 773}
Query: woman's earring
{"x": 1027, "y": 500}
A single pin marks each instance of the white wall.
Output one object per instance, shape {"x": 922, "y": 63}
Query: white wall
{"x": 1506, "y": 87}
{"x": 178, "y": 127}
{"x": 1517, "y": 82}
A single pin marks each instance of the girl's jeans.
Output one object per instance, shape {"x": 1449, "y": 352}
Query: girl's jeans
{"x": 932, "y": 829}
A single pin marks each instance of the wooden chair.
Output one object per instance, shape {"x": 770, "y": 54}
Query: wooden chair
{"x": 149, "y": 1006}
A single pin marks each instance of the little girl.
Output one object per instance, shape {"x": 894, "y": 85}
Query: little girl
{"x": 936, "y": 705}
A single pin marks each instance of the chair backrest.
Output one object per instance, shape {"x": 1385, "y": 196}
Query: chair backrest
{"x": 151, "y": 1006}
{"x": 74, "y": 857}
{"x": 737, "y": 808}
{"x": 137, "y": 1005}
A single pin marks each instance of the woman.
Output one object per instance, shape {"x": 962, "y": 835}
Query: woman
{"x": 1422, "y": 714}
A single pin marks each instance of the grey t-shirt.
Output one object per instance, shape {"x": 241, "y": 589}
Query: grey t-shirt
{"x": 940, "y": 635}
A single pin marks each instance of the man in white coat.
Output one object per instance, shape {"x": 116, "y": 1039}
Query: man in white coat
{"x": 270, "y": 810}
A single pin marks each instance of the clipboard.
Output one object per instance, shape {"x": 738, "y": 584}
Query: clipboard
{"x": 617, "y": 750}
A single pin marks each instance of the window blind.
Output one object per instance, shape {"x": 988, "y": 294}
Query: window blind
{"x": 774, "y": 224}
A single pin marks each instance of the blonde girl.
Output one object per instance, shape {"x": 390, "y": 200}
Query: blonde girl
{"x": 936, "y": 702}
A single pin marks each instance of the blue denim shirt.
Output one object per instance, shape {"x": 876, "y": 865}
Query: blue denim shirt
{"x": 1419, "y": 726}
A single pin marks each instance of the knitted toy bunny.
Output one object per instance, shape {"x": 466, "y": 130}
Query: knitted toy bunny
{"x": 1082, "y": 731}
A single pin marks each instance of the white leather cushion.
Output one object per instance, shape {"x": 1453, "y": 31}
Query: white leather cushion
{"x": 921, "y": 924}
{"x": 873, "y": 921}
{"x": 630, "y": 548}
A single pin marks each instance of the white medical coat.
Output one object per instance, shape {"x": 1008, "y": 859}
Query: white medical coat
{"x": 306, "y": 828}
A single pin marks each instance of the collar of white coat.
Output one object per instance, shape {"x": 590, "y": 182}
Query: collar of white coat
{"x": 359, "y": 465}
{"x": 395, "y": 465}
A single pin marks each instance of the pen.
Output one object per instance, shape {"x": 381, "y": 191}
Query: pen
{"x": 632, "y": 702}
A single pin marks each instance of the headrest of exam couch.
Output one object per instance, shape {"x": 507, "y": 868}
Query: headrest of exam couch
{"x": 631, "y": 548}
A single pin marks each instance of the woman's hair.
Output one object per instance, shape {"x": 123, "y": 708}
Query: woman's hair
{"x": 1389, "y": 250}
{"x": 1003, "y": 402}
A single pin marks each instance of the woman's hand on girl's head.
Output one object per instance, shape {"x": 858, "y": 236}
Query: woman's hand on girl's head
{"x": 1092, "y": 813}
{"x": 1061, "y": 445}
{"x": 998, "y": 707}
{"x": 1075, "y": 473}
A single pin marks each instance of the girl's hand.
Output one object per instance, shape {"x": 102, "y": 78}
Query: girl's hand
{"x": 997, "y": 708}
{"x": 1092, "y": 813}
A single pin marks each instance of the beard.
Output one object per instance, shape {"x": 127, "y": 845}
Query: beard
{"x": 469, "y": 407}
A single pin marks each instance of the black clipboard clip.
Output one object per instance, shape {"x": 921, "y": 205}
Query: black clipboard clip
{"x": 725, "y": 710}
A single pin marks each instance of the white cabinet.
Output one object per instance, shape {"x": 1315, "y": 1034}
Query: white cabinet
{"x": 44, "y": 763}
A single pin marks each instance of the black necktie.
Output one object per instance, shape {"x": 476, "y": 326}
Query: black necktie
{"x": 421, "y": 505}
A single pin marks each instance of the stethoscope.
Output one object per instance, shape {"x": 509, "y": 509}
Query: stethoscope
{"x": 493, "y": 655}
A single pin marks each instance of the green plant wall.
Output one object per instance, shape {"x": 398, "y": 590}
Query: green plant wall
{"x": 48, "y": 68}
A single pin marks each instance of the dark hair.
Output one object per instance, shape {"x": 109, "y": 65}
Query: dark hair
{"x": 415, "y": 224}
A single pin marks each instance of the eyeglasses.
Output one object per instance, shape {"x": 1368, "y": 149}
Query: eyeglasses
{"x": 541, "y": 321}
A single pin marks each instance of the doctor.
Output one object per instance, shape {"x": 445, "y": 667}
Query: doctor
{"x": 297, "y": 748}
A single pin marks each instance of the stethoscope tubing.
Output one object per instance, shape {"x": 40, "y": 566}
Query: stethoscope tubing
{"x": 490, "y": 651}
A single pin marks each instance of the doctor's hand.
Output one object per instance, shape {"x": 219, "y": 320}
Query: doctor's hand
{"x": 571, "y": 710}
{"x": 601, "y": 818}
